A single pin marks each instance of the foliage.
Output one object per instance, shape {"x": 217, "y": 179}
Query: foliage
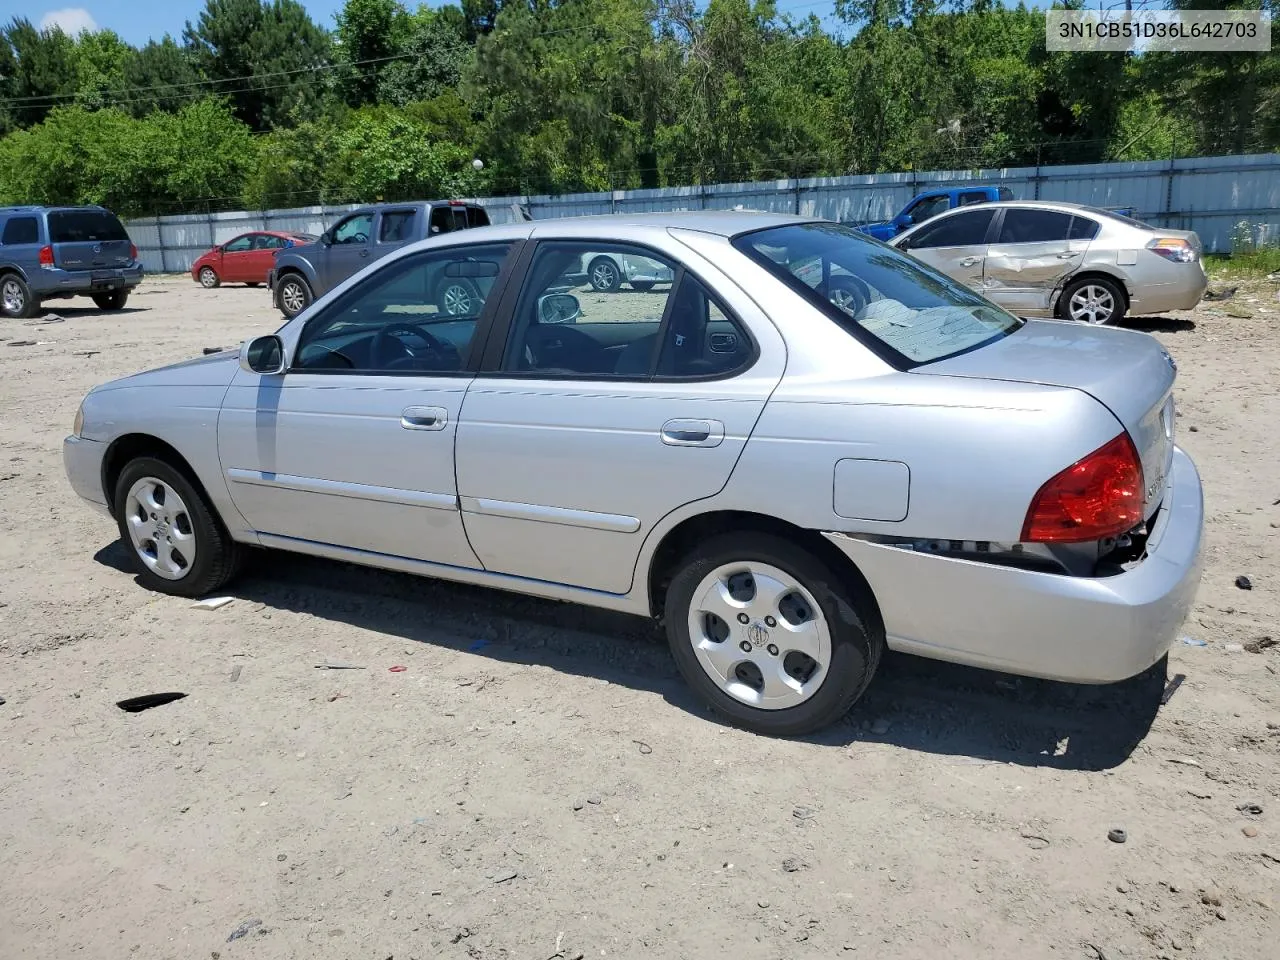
{"x": 257, "y": 104}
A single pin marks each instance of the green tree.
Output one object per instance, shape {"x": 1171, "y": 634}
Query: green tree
{"x": 160, "y": 76}
{"x": 265, "y": 55}
{"x": 44, "y": 70}
{"x": 100, "y": 59}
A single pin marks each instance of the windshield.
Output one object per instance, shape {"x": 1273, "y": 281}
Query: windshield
{"x": 869, "y": 288}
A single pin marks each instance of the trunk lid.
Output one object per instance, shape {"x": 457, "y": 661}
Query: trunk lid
{"x": 1130, "y": 373}
{"x": 88, "y": 240}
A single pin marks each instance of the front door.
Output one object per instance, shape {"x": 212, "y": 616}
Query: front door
{"x": 1031, "y": 256}
{"x": 956, "y": 245}
{"x": 354, "y": 445}
{"x": 348, "y": 253}
{"x": 236, "y": 257}
{"x": 601, "y": 412}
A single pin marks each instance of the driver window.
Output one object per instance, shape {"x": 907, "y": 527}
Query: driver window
{"x": 415, "y": 315}
{"x": 239, "y": 244}
{"x": 354, "y": 229}
{"x": 590, "y": 310}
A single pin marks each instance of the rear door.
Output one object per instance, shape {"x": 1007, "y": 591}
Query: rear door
{"x": 20, "y": 242}
{"x": 955, "y": 244}
{"x": 87, "y": 239}
{"x": 600, "y": 413}
{"x": 262, "y": 256}
{"x": 395, "y": 228}
{"x": 1032, "y": 254}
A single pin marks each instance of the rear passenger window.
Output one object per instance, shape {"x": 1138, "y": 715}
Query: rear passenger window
{"x": 1082, "y": 228}
{"x": 701, "y": 339}
{"x": 590, "y": 310}
{"x": 968, "y": 198}
{"x": 1034, "y": 226}
{"x": 21, "y": 230}
{"x": 397, "y": 226}
{"x": 477, "y": 217}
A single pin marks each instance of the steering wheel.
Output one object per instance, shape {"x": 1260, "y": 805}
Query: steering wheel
{"x": 849, "y": 293}
{"x": 389, "y": 352}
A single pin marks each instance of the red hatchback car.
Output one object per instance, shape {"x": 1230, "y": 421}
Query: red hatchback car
{"x": 246, "y": 259}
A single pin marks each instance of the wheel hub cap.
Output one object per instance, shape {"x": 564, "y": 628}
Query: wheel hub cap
{"x": 1092, "y": 304}
{"x": 160, "y": 528}
{"x": 759, "y": 635}
{"x": 12, "y": 296}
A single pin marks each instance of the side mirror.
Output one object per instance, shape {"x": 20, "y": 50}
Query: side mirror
{"x": 263, "y": 355}
{"x": 326, "y": 239}
{"x": 559, "y": 308}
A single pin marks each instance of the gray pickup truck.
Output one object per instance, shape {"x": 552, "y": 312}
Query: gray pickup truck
{"x": 303, "y": 273}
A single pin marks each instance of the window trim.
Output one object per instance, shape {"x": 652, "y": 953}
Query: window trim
{"x": 479, "y": 339}
{"x": 504, "y": 325}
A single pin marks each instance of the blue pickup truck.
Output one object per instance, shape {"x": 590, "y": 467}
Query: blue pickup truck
{"x": 930, "y": 204}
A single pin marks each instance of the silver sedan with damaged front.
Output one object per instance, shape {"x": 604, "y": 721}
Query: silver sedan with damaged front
{"x": 805, "y": 449}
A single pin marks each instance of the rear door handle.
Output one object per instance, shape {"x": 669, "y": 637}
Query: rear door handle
{"x": 424, "y": 418}
{"x": 364, "y": 253}
{"x": 1067, "y": 256}
{"x": 693, "y": 433}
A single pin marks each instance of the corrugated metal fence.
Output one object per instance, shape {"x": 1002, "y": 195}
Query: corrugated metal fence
{"x": 1210, "y": 195}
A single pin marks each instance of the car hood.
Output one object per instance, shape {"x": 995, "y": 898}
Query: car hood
{"x": 1128, "y": 372}
{"x": 215, "y": 369}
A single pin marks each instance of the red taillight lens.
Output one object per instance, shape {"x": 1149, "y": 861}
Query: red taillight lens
{"x": 1098, "y": 497}
{"x": 133, "y": 251}
{"x": 46, "y": 257}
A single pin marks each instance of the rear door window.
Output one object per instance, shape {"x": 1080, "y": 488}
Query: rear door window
{"x": 21, "y": 230}
{"x": 974, "y": 196}
{"x": 477, "y": 217}
{"x": 961, "y": 230}
{"x": 82, "y": 226}
{"x": 1034, "y": 226}
{"x": 396, "y": 226}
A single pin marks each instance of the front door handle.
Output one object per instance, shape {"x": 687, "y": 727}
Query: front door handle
{"x": 424, "y": 418}
{"x": 970, "y": 261}
{"x": 1067, "y": 256}
{"x": 364, "y": 253}
{"x": 693, "y": 433}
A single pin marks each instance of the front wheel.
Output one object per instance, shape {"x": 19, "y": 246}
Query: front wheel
{"x": 295, "y": 295}
{"x": 769, "y": 636}
{"x": 114, "y": 300}
{"x": 1092, "y": 300}
{"x": 209, "y": 278}
{"x": 178, "y": 544}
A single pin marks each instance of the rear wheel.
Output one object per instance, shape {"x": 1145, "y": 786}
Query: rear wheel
{"x": 208, "y": 278}
{"x": 294, "y": 294}
{"x": 604, "y": 275}
{"x": 769, "y": 636}
{"x": 114, "y": 300}
{"x": 16, "y": 300}
{"x": 458, "y": 298}
{"x": 642, "y": 286}
{"x": 178, "y": 544}
{"x": 1092, "y": 300}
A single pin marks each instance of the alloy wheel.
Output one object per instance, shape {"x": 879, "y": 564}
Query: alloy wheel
{"x": 1092, "y": 304}
{"x": 208, "y": 278}
{"x": 457, "y": 300}
{"x": 13, "y": 298}
{"x": 160, "y": 528}
{"x": 604, "y": 276}
{"x": 760, "y": 635}
{"x": 293, "y": 297}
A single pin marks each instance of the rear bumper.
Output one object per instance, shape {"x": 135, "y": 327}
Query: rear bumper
{"x": 1180, "y": 294}
{"x": 1084, "y": 630}
{"x": 82, "y": 459}
{"x": 54, "y": 282}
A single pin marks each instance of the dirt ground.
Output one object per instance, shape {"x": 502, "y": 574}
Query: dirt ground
{"x": 538, "y": 783}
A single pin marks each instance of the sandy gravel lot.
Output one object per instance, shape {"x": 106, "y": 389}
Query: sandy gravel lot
{"x": 538, "y": 784}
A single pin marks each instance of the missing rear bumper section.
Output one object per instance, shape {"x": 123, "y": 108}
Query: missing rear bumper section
{"x": 1037, "y": 623}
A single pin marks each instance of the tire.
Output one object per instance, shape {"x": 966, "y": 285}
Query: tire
{"x": 293, "y": 295}
{"x": 114, "y": 300}
{"x": 1107, "y": 300}
{"x": 16, "y": 299}
{"x": 604, "y": 275}
{"x": 204, "y": 557}
{"x": 854, "y": 637}
{"x": 459, "y": 298}
{"x": 209, "y": 278}
{"x": 642, "y": 286}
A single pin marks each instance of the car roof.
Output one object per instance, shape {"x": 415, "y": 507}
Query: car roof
{"x": 723, "y": 223}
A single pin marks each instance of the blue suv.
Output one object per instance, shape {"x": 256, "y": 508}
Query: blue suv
{"x": 51, "y": 252}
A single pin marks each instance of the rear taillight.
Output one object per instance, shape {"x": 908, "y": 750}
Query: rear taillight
{"x": 46, "y": 257}
{"x": 1173, "y": 248}
{"x": 133, "y": 251}
{"x": 1098, "y": 497}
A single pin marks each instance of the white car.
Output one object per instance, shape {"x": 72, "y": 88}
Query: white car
{"x": 607, "y": 270}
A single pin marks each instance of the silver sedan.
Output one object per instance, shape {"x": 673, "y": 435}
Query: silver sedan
{"x": 806, "y": 450}
{"x": 1041, "y": 259}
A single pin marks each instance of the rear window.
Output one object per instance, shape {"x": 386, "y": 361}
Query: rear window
{"x": 906, "y": 312}
{"x": 1098, "y": 211}
{"x": 81, "y": 226}
{"x": 1006, "y": 193}
{"x": 478, "y": 216}
{"x": 21, "y": 230}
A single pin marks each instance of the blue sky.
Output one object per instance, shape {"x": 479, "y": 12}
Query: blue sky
{"x": 135, "y": 20}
